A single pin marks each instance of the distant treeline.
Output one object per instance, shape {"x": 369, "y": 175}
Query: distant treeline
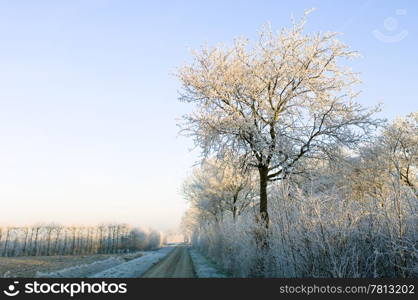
{"x": 53, "y": 239}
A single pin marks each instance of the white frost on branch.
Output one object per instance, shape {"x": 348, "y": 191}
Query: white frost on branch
{"x": 276, "y": 101}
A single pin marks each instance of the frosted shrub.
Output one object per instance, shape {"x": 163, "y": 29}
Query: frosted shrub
{"x": 322, "y": 235}
{"x": 231, "y": 245}
{"x": 155, "y": 240}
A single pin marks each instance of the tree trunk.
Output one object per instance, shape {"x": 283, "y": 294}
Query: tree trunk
{"x": 29, "y": 247}
{"x": 7, "y": 242}
{"x": 64, "y": 246}
{"x": 35, "y": 249}
{"x": 13, "y": 252}
{"x": 1, "y": 234}
{"x": 234, "y": 208}
{"x": 261, "y": 233}
{"x": 26, "y": 241}
{"x": 73, "y": 243}
{"x": 263, "y": 171}
{"x": 57, "y": 240}
{"x": 48, "y": 246}
{"x": 100, "y": 240}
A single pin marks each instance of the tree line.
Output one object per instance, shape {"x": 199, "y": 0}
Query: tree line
{"x": 54, "y": 239}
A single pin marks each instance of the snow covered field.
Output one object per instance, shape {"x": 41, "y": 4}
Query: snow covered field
{"x": 84, "y": 270}
{"x": 135, "y": 267}
{"x": 30, "y": 266}
{"x": 113, "y": 267}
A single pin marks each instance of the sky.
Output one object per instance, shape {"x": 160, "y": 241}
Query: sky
{"x": 89, "y": 99}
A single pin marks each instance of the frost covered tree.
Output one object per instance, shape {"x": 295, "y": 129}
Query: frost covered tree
{"x": 188, "y": 224}
{"x": 219, "y": 187}
{"x": 400, "y": 142}
{"x": 390, "y": 159}
{"x": 274, "y": 102}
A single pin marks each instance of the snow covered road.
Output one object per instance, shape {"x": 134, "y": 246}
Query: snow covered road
{"x": 177, "y": 264}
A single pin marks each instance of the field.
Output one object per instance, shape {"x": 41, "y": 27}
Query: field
{"x": 28, "y": 266}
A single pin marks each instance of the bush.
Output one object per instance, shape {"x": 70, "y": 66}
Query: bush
{"x": 319, "y": 235}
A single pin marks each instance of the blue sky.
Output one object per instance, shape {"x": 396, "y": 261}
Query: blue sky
{"x": 88, "y": 100}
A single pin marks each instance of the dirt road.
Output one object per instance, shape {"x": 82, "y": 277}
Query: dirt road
{"x": 177, "y": 264}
